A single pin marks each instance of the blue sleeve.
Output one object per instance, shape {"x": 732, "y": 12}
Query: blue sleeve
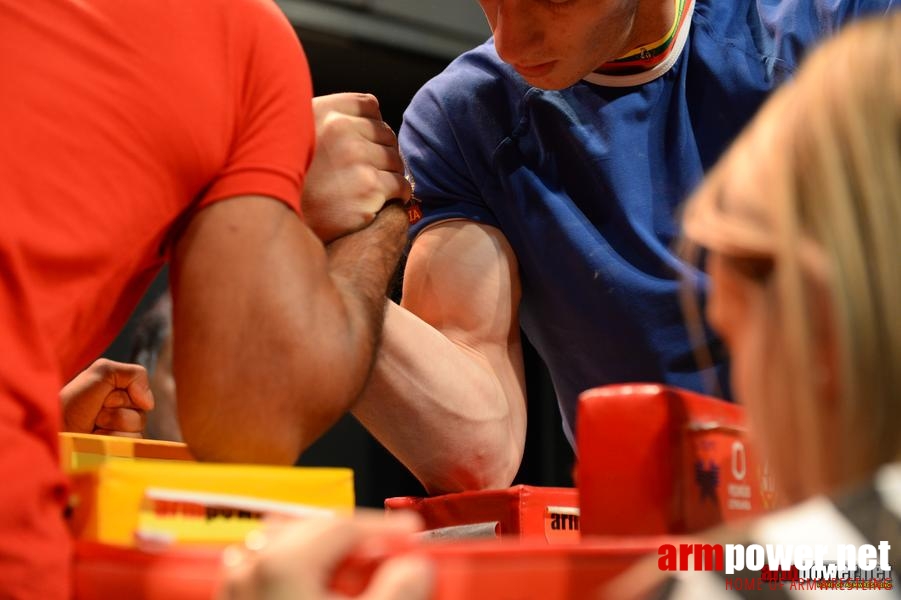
{"x": 795, "y": 27}
{"x": 445, "y": 151}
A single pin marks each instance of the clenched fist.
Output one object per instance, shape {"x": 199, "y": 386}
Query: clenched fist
{"x": 108, "y": 398}
{"x": 356, "y": 169}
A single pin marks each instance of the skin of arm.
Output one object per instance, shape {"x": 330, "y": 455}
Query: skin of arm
{"x": 447, "y": 394}
{"x": 273, "y": 338}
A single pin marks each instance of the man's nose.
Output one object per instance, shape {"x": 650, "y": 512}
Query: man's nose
{"x": 517, "y": 32}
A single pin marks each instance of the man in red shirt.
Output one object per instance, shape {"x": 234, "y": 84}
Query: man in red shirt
{"x": 136, "y": 133}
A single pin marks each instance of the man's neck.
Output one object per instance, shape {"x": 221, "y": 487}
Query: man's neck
{"x": 653, "y": 20}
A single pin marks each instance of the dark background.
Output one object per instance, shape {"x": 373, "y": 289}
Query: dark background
{"x": 340, "y": 65}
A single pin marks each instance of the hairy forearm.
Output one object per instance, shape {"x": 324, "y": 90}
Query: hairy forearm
{"x": 361, "y": 266}
{"x": 348, "y": 322}
{"x": 443, "y": 409}
{"x": 270, "y": 352}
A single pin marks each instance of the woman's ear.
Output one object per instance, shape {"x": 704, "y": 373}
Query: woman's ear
{"x": 826, "y": 350}
{"x": 826, "y": 380}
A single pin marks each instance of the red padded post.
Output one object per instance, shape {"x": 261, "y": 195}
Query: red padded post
{"x": 655, "y": 460}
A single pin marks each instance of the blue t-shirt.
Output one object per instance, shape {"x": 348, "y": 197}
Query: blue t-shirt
{"x": 586, "y": 182}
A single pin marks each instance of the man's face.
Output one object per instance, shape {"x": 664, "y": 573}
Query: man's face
{"x": 555, "y": 43}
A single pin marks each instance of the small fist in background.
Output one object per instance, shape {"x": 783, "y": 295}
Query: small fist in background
{"x": 108, "y": 398}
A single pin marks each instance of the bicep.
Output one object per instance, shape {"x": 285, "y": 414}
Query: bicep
{"x": 462, "y": 278}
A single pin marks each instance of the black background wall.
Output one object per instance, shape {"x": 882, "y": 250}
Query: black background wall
{"x": 340, "y": 65}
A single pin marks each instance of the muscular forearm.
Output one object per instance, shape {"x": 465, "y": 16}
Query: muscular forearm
{"x": 347, "y": 333}
{"x": 361, "y": 265}
{"x": 270, "y": 352}
{"x": 444, "y": 409}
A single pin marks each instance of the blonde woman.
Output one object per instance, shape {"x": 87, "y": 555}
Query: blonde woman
{"x": 801, "y": 222}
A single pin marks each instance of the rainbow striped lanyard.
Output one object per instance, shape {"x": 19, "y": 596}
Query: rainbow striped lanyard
{"x": 648, "y": 56}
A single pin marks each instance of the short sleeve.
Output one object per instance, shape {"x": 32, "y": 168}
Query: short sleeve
{"x": 445, "y": 153}
{"x": 274, "y": 132}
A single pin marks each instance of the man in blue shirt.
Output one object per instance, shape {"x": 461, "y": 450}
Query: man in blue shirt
{"x": 551, "y": 163}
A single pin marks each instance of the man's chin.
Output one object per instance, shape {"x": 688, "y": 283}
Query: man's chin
{"x": 550, "y": 82}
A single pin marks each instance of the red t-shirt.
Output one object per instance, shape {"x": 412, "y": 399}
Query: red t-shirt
{"x": 118, "y": 120}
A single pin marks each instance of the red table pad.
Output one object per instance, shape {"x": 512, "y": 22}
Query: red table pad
{"x": 102, "y": 572}
{"x": 548, "y": 513}
{"x": 511, "y": 569}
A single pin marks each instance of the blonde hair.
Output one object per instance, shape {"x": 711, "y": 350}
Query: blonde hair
{"x": 812, "y": 190}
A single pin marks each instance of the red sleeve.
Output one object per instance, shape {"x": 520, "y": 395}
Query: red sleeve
{"x": 274, "y": 132}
